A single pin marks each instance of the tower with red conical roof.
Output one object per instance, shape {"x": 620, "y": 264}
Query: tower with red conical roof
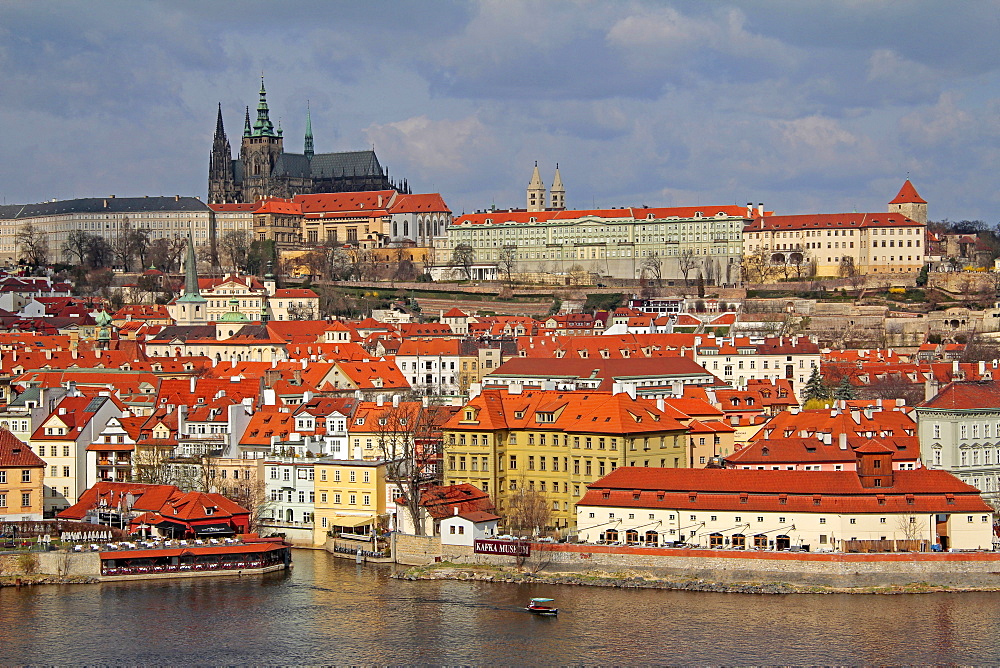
{"x": 909, "y": 203}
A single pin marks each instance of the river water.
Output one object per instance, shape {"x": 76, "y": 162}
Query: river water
{"x": 332, "y": 611}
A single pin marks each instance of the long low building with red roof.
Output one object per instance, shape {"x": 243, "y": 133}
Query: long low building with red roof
{"x": 872, "y": 509}
{"x": 845, "y": 244}
{"x": 658, "y": 243}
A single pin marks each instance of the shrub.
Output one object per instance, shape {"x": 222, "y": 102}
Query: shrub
{"x": 28, "y": 563}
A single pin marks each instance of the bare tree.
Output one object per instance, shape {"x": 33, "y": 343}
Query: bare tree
{"x": 405, "y": 437}
{"x": 463, "y": 257}
{"x": 33, "y": 245}
{"x": 98, "y": 253}
{"x": 150, "y": 465}
{"x": 507, "y": 264}
{"x": 527, "y": 510}
{"x": 847, "y": 267}
{"x": 234, "y": 248}
{"x": 652, "y": 267}
{"x": 338, "y": 265}
{"x": 757, "y": 267}
{"x": 300, "y": 312}
{"x": 76, "y": 246}
{"x": 128, "y": 244}
{"x": 686, "y": 263}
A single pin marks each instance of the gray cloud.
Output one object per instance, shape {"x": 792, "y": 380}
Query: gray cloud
{"x": 805, "y": 106}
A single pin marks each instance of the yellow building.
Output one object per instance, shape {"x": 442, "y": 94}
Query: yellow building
{"x": 350, "y": 498}
{"x": 22, "y": 480}
{"x": 555, "y": 443}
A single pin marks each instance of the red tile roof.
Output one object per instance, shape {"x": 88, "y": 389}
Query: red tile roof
{"x": 14, "y": 453}
{"x": 836, "y": 491}
{"x": 908, "y": 195}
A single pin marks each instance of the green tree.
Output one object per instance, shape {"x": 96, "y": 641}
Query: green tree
{"x": 845, "y": 390}
{"x": 922, "y": 277}
{"x": 815, "y": 387}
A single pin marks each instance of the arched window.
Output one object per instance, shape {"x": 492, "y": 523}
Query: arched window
{"x": 631, "y": 536}
{"x": 652, "y": 538}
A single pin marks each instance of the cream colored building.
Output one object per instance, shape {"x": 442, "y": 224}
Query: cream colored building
{"x": 160, "y": 217}
{"x": 814, "y": 510}
{"x": 630, "y": 242}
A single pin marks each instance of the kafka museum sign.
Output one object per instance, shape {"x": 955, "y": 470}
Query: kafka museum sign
{"x": 504, "y": 547}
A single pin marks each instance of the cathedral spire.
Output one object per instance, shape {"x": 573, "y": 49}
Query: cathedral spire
{"x": 220, "y": 131}
{"x": 309, "y": 133}
{"x": 247, "y": 131}
{"x": 263, "y": 127}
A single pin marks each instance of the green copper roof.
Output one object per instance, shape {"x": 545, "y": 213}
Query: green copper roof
{"x": 263, "y": 127}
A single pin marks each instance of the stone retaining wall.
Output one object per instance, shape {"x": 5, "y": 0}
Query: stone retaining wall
{"x": 63, "y": 564}
{"x": 975, "y": 569}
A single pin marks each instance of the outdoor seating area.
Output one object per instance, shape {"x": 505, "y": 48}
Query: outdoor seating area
{"x": 153, "y": 544}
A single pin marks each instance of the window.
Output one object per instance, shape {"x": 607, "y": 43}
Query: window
{"x": 65, "y": 471}
{"x": 26, "y": 499}
{"x": 336, "y": 498}
{"x": 366, "y": 500}
{"x": 322, "y": 522}
{"x": 352, "y": 475}
{"x": 3, "y": 500}
{"x": 854, "y": 520}
{"x": 352, "y": 499}
{"x": 322, "y": 497}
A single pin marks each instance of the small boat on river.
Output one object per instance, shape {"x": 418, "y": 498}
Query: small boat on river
{"x": 538, "y": 606}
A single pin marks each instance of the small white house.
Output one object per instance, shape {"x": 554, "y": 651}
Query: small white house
{"x": 464, "y": 528}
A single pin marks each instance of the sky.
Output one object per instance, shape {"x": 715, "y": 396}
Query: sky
{"x": 804, "y": 106}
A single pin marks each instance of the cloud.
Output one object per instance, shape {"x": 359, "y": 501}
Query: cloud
{"x": 432, "y": 146}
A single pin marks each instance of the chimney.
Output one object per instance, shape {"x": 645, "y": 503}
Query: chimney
{"x": 379, "y": 399}
{"x": 193, "y": 382}
{"x": 456, "y": 511}
{"x": 842, "y": 440}
{"x": 827, "y": 438}
{"x": 760, "y": 209}
{"x": 856, "y": 415}
{"x": 749, "y": 209}
{"x": 982, "y": 367}
{"x": 661, "y": 404}
{"x": 395, "y": 401}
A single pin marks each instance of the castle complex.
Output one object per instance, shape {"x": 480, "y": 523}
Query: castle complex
{"x": 264, "y": 169}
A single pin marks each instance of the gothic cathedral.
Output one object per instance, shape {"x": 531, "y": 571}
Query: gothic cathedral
{"x": 264, "y": 169}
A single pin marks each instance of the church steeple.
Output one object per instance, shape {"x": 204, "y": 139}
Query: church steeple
{"x": 220, "y": 130}
{"x": 557, "y": 195}
{"x": 191, "y": 290}
{"x": 247, "y": 130}
{"x": 309, "y": 133}
{"x": 192, "y": 307}
{"x": 221, "y": 186}
{"x": 263, "y": 127}
{"x": 536, "y": 191}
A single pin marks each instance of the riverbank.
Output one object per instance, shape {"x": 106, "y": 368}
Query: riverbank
{"x": 634, "y": 580}
{"x": 43, "y": 579}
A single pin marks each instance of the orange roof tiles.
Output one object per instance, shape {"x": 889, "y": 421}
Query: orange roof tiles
{"x": 908, "y": 195}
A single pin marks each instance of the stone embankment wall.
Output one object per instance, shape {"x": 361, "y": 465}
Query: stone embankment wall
{"x": 976, "y": 569}
{"x": 62, "y": 564}
{"x": 416, "y": 550}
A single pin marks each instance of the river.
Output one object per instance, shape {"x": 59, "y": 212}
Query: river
{"x": 332, "y": 611}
